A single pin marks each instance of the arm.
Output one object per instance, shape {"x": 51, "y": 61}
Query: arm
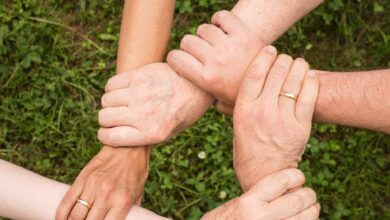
{"x": 359, "y": 99}
{"x": 144, "y": 35}
{"x": 121, "y": 177}
{"x": 270, "y": 19}
{"x": 26, "y": 195}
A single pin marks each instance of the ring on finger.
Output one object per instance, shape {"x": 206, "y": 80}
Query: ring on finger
{"x": 288, "y": 95}
{"x": 84, "y": 203}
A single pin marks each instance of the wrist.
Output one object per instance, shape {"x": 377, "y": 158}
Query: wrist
{"x": 252, "y": 170}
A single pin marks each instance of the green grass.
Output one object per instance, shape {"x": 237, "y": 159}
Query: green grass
{"x": 55, "y": 57}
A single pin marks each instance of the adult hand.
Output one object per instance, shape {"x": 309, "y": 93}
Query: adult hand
{"x": 268, "y": 200}
{"x": 149, "y": 105}
{"x": 111, "y": 183}
{"x": 216, "y": 59}
{"x": 271, "y": 130}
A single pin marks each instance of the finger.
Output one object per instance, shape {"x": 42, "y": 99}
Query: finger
{"x": 275, "y": 79}
{"x": 80, "y": 211}
{"x": 186, "y": 65}
{"x": 119, "y": 81}
{"x": 312, "y": 213}
{"x": 122, "y": 136}
{"x": 116, "y": 98}
{"x": 117, "y": 116}
{"x": 211, "y": 33}
{"x": 69, "y": 200}
{"x": 276, "y": 184}
{"x": 293, "y": 85}
{"x": 255, "y": 76}
{"x": 307, "y": 98}
{"x": 223, "y": 108}
{"x": 195, "y": 46}
{"x": 99, "y": 210}
{"x": 228, "y": 22}
{"x": 115, "y": 214}
{"x": 291, "y": 204}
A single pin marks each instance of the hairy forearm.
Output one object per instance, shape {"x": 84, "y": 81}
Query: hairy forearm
{"x": 26, "y": 195}
{"x": 358, "y": 99}
{"x": 270, "y": 19}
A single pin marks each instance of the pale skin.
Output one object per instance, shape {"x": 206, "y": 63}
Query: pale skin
{"x": 27, "y": 195}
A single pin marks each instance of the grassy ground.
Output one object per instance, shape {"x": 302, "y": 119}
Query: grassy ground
{"x": 55, "y": 57}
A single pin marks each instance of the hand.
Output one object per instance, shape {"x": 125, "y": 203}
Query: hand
{"x": 148, "y": 106}
{"x": 271, "y": 130}
{"x": 216, "y": 59}
{"x": 111, "y": 183}
{"x": 268, "y": 200}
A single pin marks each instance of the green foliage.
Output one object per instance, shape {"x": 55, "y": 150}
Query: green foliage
{"x": 57, "y": 55}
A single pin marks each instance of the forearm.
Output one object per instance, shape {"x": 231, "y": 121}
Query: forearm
{"x": 358, "y": 99}
{"x": 144, "y": 34}
{"x": 26, "y": 195}
{"x": 270, "y": 19}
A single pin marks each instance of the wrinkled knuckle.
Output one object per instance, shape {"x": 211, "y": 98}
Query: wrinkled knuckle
{"x": 254, "y": 75}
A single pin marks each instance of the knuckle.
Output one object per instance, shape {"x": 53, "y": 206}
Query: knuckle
{"x": 220, "y": 61}
{"x": 107, "y": 187}
{"x": 254, "y": 75}
{"x": 209, "y": 78}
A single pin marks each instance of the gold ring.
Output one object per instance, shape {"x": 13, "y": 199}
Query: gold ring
{"x": 83, "y": 203}
{"x": 288, "y": 95}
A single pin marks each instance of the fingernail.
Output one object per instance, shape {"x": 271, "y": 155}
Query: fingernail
{"x": 271, "y": 49}
{"x": 311, "y": 73}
